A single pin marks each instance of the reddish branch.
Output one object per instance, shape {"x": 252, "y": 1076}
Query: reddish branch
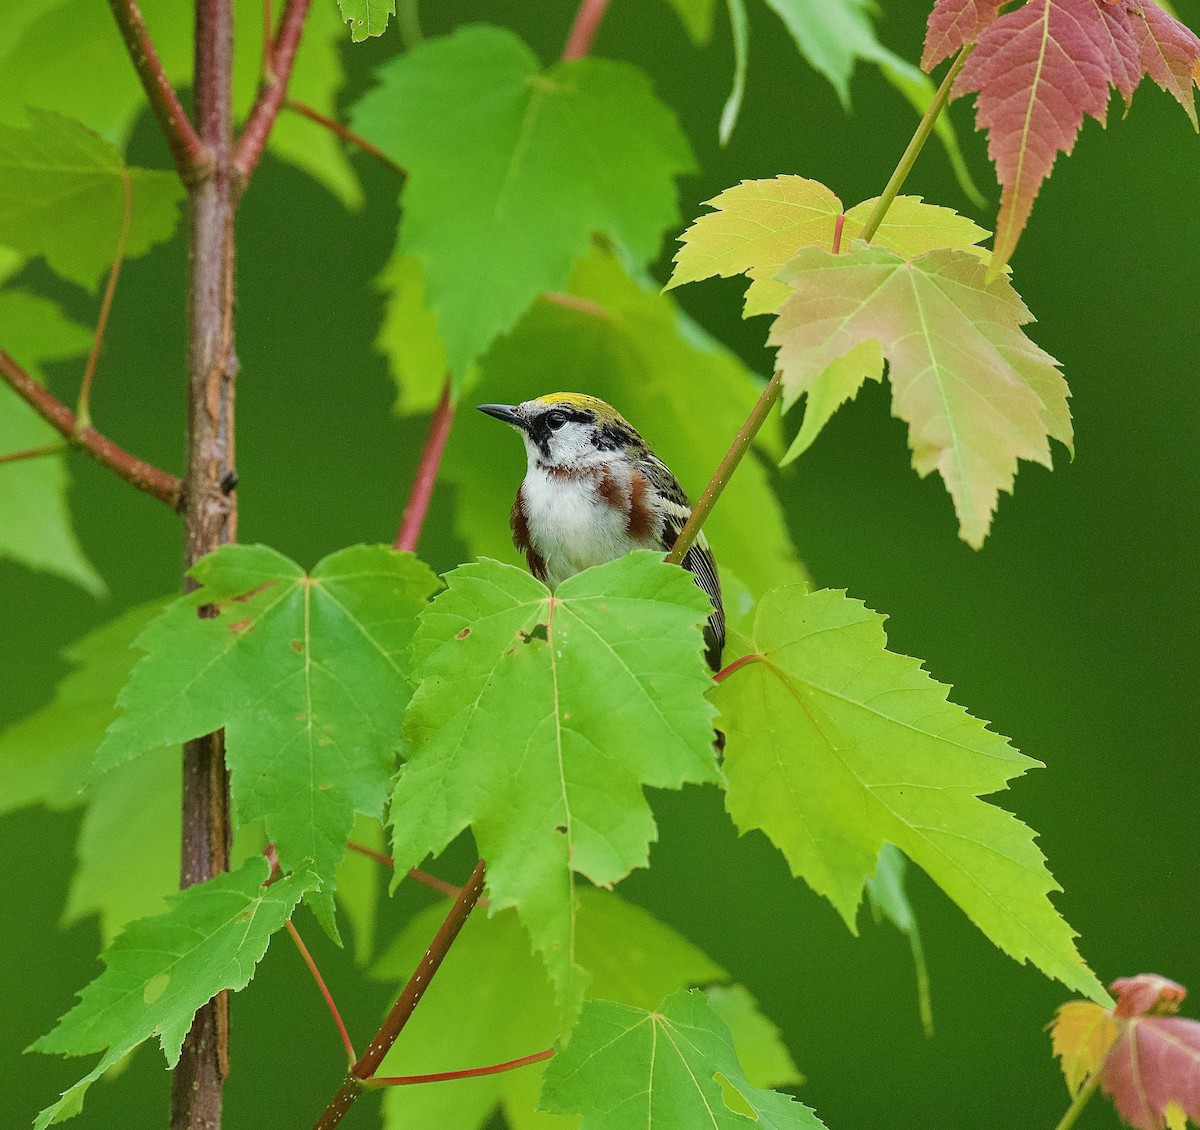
{"x": 583, "y": 30}
{"x": 427, "y": 471}
{"x": 428, "y": 966}
{"x": 279, "y": 72}
{"x": 414, "y": 873}
{"x": 192, "y": 157}
{"x": 166, "y": 488}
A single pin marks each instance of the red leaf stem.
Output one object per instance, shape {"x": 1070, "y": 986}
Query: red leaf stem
{"x": 467, "y": 1073}
{"x": 427, "y": 470}
{"x": 33, "y": 453}
{"x": 346, "y": 134}
{"x": 736, "y": 665}
{"x": 583, "y": 30}
{"x": 333, "y": 1008}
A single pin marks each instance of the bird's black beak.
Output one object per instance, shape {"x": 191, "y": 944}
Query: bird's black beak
{"x": 506, "y": 412}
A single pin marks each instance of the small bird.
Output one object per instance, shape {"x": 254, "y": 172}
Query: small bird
{"x": 594, "y": 491}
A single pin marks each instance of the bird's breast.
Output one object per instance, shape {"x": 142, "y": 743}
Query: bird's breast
{"x": 579, "y": 519}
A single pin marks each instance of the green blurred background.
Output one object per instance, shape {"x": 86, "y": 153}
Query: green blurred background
{"x": 1075, "y": 630}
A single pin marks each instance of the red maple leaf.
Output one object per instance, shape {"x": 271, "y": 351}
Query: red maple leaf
{"x": 1039, "y": 69}
{"x": 1148, "y": 1060}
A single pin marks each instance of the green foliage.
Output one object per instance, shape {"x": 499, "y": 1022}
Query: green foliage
{"x": 162, "y": 969}
{"x": 308, "y": 675}
{"x": 615, "y": 1073}
{"x": 541, "y": 160}
{"x": 35, "y": 524}
{"x": 836, "y": 745}
{"x": 62, "y": 196}
{"x": 471, "y": 1017}
{"x": 537, "y": 722}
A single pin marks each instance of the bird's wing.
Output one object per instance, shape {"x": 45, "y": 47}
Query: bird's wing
{"x": 699, "y": 559}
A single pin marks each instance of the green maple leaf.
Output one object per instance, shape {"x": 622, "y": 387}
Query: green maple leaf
{"x": 836, "y": 745}
{"x": 160, "y": 970}
{"x": 540, "y": 161}
{"x": 758, "y": 226}
{"x": 671, "y": 1067}
{"x": 467, "y": 1020}
{"x": 85, "y": 42}
{"x": 686, "y": 393}
{"x": 367, "y": 18}
{"x": 976, "y": 393}
{"x": 35, "y": 521}
{"x": 539, "y": 719}
{"x": 62, "y": 196}
{"x": 308, "y": 675}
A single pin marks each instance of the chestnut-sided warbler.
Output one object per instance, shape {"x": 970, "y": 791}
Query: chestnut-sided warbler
{"x": 594, "y": 491}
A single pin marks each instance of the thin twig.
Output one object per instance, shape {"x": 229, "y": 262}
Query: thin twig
{"x": 909, "y": 157}
{"x": 347, "y": 135}
{"x": 351, "y": 1055}
{"x": 414, "y": 873}
{"x": 583, "y": 30}
{"x": 250, "y": 145}
{"x": 419, "y": 497}
{"x": 467, "y": 1073}
{"x": 33, "y": 453}
{"x": 739, "y": 447}
{"x": 163, "y": 486}
{"x": 83, "y": 412}
{"x": 428, "y": 966}
{"x": 1082, "y": 1098}
{"x": 268, "y": 44}
{"x": 193, "y": 159}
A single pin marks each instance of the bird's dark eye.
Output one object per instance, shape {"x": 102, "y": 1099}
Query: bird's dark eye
{"x": 555, "y": 420}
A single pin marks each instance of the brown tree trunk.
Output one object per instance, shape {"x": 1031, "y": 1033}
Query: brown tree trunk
{"x": 211, "y": 517}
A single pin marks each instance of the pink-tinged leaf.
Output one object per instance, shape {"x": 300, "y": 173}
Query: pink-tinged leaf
{"x": 1038, "y": 70}
{"x": 1168, "y": 52}
{"x": 977, "y": 394}
{"x": 1146, "y": 993}
{"x": 1154, "y": 1065}
{"x": 1081, "y": 1036}
{"x": 953, "y": 24}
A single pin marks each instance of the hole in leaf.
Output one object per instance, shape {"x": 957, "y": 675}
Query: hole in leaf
{"x": 538, "y": 633}
{"x": 733, "y": 1098}
{"x": 561, "y": 828}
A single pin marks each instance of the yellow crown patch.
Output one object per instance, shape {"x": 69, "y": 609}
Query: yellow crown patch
{"x": 582, "y": 400}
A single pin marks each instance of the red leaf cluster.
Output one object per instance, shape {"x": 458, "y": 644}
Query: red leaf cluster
{"x": 1148, "y": 1059}
{"x": 1038, "y": 69}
